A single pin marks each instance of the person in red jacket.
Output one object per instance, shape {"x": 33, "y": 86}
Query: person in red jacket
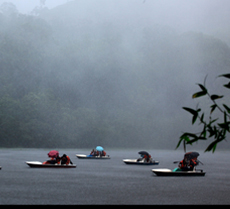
{"x": 102, "y": 153}
{"x": 187, "y": 165}
{"x": 146, "y": 158}
{"x": 65, "y": 160}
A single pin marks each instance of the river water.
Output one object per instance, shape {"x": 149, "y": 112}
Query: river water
{"x": 111, "y": 181}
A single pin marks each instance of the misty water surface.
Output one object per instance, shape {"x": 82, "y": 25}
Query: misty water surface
{"x": 111, "y": 181}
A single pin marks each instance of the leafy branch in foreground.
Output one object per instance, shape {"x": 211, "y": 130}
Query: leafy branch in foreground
{"x": 211, "y": 128}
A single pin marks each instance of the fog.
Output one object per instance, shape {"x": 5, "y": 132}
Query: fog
{"x": 110, "y": 72}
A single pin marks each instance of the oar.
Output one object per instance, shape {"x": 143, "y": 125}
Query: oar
{"x": 201, "y": 162}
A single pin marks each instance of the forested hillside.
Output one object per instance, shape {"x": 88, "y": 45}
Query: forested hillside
{"x": 73, "y": 80}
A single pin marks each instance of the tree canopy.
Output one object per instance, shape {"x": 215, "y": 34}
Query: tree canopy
{"x": 73, "y": 81}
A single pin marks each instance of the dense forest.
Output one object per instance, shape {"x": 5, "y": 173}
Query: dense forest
{"x": 73, "y": 80}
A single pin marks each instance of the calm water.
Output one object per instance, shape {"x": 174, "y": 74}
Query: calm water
{"x": 111, "y": 181}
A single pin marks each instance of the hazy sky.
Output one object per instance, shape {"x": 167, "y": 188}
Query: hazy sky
{"x": 26, "y": 6}
{"x": 208, "y": 16}
{"x": 129, "y": 18}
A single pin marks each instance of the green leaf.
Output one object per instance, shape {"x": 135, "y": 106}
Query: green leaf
{"x": 213, "y": 108}
{"x": 202, "y": 118}
{"x": 227, "y": 85}
{"x": 202, "y": 87}
{"x": 227, "y": 108}
{"x": 189, "y": 134}
{"x": 199, "y": 94}
{"x": 193, "y": 112}
{"x": 225, "y": 126}
{"x": 214, "y": 97}
{"x": 204, "y": 132}
{"x": 184, "y": 138}
{"x": 212, "y": 121}
{"x": 212, "y": 146}
{"x": 196, "y": 139}
{"x": 212, "y": 131}
{"x": 225, "y": 75}
{"x": 194, "y": 118}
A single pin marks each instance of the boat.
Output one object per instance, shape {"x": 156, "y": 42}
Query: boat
{"x": 136, "y": 162}
{"x": 37, "y": 164}
{"x": 168, "y": 172}
{"x": 80, "y": 156}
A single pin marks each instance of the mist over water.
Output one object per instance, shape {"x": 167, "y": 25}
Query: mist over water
{"x": 115, "y": 73}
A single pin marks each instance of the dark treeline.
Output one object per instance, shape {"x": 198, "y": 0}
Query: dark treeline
{"x": 68, "y": 80}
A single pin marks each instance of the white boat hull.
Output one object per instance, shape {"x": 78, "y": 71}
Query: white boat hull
{"x": 168, "y": 172}
{"x": 37, "y": 164}
{"x": 135, "y": 162}
{"x": 80, "y": 156}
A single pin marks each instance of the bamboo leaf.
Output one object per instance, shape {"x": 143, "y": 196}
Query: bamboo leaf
{"x": 199, "y": 94}
{"x": 202, "y": 118}
{"x": 213, "y": 121}
{"x": 227, "y": 108}
{"x": 224, "y": 126}
{"x": 189, "y": 134}
{"x": 183, "y": 137}
{"x": 227, "y": 85}
{"x": 212, "y": 146}
{"x": 194, "y": 118}
{"x": 193, "y": 112}
{"x": 196, "y": 139}
{"x": 214, "y": 97}
{"x": 225, "y": 75}
{"x": 213, "y": 108}
{"x": 202, "y": 87}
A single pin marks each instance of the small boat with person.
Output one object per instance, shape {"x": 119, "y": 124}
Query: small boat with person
{"x": 81, "y": 156}
{"x": 37, "y": 164}
{"x": 168, "y": 172}
{"x": 186, "y": 167}
{"x": 55, "y": 161}
{"x": 136, "y": 162}
{"x": 97, "y": 154}
{"x": 145, "y": 159}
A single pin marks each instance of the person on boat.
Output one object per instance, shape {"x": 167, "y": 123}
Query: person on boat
{"x": 94, "y": 153}
{"x": 53, "y": 161}
{"x": 65, "y": 159}
{"x": 188, "y": 164}
{"x": 102, "y": 153}
{"x": 145, "y": 158}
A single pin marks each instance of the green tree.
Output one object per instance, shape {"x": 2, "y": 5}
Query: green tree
{"x": 212, "y": 128}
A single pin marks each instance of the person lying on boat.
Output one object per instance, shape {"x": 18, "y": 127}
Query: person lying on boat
{"x": 53, "y": 161}
{"x": 145, "y": 158}
{"x": 65, "y": 159}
